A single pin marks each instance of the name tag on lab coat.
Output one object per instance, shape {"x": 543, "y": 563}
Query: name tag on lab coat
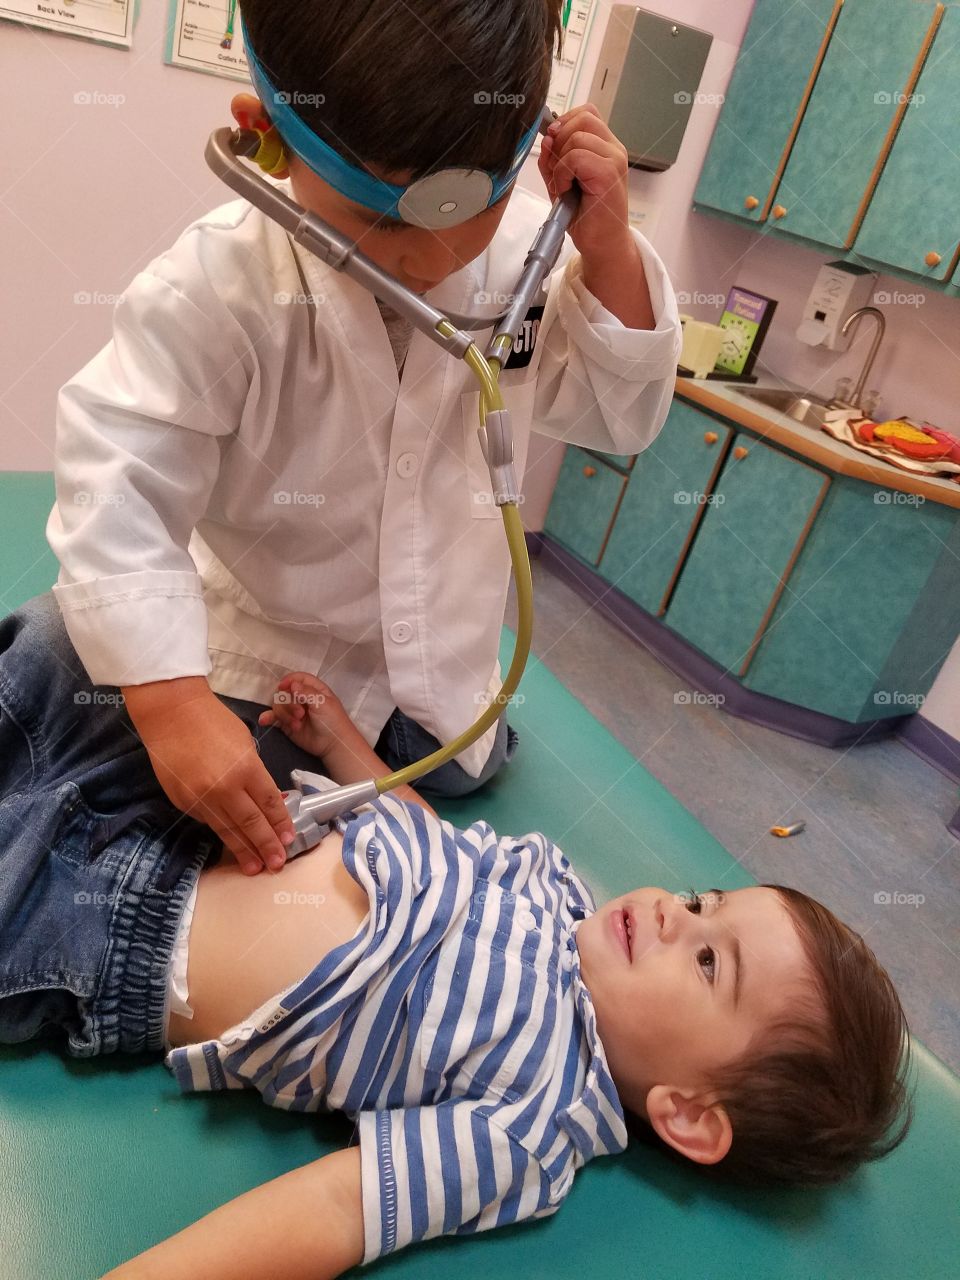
{"x": 525, "y": 339}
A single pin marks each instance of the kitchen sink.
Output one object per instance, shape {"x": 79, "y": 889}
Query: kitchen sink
{"x": 802, "y": 406}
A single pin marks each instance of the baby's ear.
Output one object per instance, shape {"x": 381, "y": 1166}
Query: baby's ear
{"x": 698, "y": 1129}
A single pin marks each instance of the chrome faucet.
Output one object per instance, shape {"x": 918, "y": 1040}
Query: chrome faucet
{"x": 852, "y": 319}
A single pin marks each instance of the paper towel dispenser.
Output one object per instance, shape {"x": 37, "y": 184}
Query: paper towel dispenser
{"x": 646, "y": 82}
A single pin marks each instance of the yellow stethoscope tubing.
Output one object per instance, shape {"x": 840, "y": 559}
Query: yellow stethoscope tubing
{"x": 491, "y": 398}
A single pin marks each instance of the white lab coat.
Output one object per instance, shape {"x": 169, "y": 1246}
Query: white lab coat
{"x": 244, "y": 488}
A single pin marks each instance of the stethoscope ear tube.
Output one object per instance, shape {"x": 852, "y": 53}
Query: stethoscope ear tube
{"x": 538, "y": 264}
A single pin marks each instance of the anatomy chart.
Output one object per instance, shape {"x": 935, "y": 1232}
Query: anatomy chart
{"x": 577, "y": 18}
{"x": 104, "y": 21}
{"x": 204, "y": 35}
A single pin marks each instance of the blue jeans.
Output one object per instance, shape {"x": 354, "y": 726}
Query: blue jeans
{"x": 404, "y": 740}
{"x": 96, "y": 864}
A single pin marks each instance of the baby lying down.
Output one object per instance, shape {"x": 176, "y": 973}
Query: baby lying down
{"x": 489, "y": 1030}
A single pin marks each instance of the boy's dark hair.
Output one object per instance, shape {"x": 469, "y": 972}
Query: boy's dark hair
{"x": 425, "y": 86}
{"x": 817, "y": 1095}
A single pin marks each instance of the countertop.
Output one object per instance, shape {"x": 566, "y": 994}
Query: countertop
{"x": 723, "y": 399}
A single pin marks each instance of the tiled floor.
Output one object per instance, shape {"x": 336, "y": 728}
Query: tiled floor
{"x": 875, "y": 814}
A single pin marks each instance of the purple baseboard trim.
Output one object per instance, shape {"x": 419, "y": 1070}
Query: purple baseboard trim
{"x": 932, "y": 744}
{"x": 939, "y": 749}
{"x": 699, "y": 671}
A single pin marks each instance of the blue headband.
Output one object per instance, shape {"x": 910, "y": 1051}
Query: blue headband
{"x": 442, "y": 199}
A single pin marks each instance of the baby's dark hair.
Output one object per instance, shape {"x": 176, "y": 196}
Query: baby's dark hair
{"x": 420, "y": 87}
{"x": 820, "y": 1093}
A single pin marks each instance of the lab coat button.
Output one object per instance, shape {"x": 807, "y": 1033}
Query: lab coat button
{"x": 408, "y": 464}
{"x": 401, "y": 632}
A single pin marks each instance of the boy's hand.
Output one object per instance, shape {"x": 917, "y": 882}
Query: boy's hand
{"x": 309, "y": 713}
{"x": 580, "y": 146}
{"x": 206, "y": 762}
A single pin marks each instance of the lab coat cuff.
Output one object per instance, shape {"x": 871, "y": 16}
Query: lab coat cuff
{"x": 636, "y": 355}
{"x": 134, "y": 628}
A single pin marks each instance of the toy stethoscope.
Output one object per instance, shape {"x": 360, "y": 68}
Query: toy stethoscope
{"x": 441, "y": 199}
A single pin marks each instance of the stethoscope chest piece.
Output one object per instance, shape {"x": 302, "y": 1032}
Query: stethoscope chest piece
{"x": 446, "y": 198}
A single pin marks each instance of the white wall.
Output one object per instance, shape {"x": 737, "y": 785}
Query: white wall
{"x": 90, "y": 193}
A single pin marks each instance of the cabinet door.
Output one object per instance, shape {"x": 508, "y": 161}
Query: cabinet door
{"x": 852, "y": 117}
{"x": 775, "y": 71}
{"x": 913, "y": 221}
{"x": 584, "y": 504}
{"x": 754, "y": 529}
{"x": 663, "y": 505}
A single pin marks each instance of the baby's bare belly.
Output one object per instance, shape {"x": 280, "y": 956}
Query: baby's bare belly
{"x": 253, "y": 936}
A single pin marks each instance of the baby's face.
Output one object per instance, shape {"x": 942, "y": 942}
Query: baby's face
{"x": 420, "y": 259}
{"x": 679, "y": 993}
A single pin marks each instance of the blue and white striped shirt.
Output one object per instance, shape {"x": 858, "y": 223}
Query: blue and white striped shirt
{"x": 454, "y": 1028}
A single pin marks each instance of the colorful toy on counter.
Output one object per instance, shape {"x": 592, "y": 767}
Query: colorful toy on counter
{"x": 908, "y": 438}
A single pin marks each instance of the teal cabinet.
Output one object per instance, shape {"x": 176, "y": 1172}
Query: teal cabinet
{"x": 870, "y": 68}
{"x": 619, "y": 461}
{"x": 913, "y": 221}
{"x": 822, "y": 590}
{"x": 775, "y": 68}
{"x": 870, "y": 610}
{"x": 665, "y": 500}
{"x": 584, "y": 504}
{"x": 758, "y": 518}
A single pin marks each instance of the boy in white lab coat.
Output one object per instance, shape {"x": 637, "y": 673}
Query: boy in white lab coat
{"x": 263, "y": 472}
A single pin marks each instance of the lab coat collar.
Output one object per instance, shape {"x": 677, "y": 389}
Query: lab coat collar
{"x": 462, "y": 292}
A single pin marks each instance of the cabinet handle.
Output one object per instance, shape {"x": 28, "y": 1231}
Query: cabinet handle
{"x": 751, "y": 202}
{"x": 740, "y": 451}
{"x": 589, "y": 472}
{"x": 779, "y": 211}
{"x": 932, "y": 259}
{"x": 710, "y": 437}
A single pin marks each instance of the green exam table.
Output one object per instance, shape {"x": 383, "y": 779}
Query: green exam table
{"x": 102, "y": 1158}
